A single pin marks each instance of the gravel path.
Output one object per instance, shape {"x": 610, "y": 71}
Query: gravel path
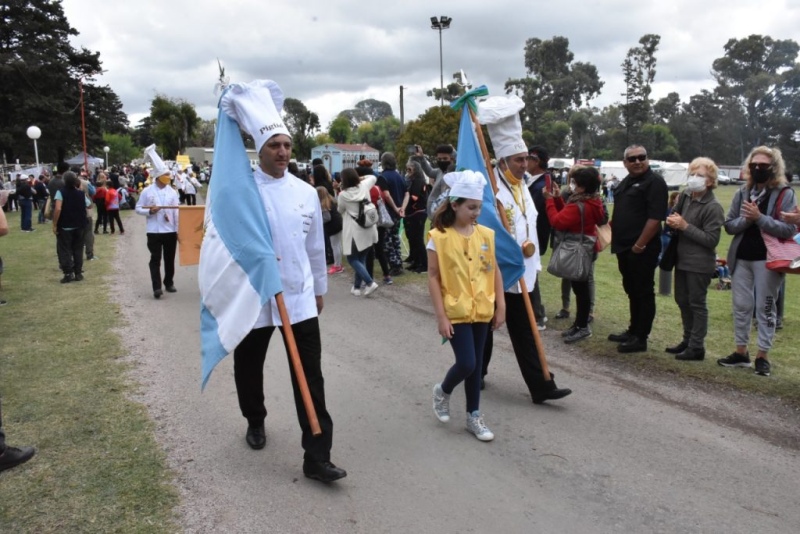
{"x": 625, "y": 453}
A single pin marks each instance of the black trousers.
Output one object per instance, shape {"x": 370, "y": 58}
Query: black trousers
{"x": 519, "y": 330}
{"x": 69, "y": 245}
{"x": 162, "y": 245}
{"x": 248, "y": 371}
{"x": 415, "y": 233}
{"x": 638, "y": 279}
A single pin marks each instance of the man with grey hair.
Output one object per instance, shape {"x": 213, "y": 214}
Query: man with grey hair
{"x": 640, "y": 204}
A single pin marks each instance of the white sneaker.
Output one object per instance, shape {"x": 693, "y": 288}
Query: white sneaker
{"x": 355, "y": 292}
{"x": 371, "y": 289}
{"x": 441, "y": 403}
{"x": 476, "y": 426}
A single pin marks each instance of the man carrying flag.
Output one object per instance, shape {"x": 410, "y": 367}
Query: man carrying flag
{"x": 501, "y": 115}
{"x": 252, "y": 220}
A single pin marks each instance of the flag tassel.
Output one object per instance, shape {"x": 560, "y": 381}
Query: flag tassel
{"x": 503, "y": 218}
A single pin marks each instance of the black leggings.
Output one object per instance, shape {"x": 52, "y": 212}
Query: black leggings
{"x": 113, "y": 215}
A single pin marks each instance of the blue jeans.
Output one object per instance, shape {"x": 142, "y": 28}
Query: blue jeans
{"x": 467, "y": 342}
{"x": 26, "y": 207}
{"x": 358, "y": 262}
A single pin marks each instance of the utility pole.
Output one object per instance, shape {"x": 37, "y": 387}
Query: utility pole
{"x": 402, "y": 112}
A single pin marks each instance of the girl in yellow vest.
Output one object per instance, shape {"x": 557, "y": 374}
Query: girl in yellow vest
{"x": 467, "y": 292}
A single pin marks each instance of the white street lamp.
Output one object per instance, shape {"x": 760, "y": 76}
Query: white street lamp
{"x": 106, "y": 150}
{"x": 35, "y": 133}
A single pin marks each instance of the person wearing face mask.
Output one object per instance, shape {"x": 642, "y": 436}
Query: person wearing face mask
{"x": 162, "y": 224}
{"x": 697, "y": 222}
{"x": 584, "y": 205}
{"x": 754, "y": 209}
{"x": 445, "y": 161}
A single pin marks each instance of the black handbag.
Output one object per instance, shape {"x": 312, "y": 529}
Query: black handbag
{"x": 669, "y": 257}
{"x": 572, "y": 257}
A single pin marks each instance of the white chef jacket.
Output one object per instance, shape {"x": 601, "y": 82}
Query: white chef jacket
{"x": 163, "y": 221}
{"x": 518, "y": 223}
{"x": 295, "y": 220}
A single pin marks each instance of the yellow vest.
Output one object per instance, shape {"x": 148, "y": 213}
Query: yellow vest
{"x": 466, "y": 270}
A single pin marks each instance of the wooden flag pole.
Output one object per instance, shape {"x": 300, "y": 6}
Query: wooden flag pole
{"x": 297, "y": 365}
{"x": 501, "y": 211}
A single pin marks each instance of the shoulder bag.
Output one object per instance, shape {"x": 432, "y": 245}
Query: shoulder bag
{"x": 781, "y": 253}
{"x": 669, "y": 257}
{"x": 572, "y": 256}
{"x": 384, "y": 219}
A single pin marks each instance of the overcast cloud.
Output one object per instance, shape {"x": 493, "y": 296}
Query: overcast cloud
{"x": 333, "y": 53}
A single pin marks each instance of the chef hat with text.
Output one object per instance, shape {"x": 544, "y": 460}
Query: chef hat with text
{"x": 500, "y": 114}
{"x": 256, "y": 106}
{"x": 465, "y": 184}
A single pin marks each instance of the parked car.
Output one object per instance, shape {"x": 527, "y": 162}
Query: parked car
{"x": 723, "y": 178}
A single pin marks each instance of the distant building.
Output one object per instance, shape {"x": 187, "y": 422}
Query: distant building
{"x": 337, "y": 156}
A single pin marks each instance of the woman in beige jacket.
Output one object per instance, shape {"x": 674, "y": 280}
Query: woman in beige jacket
{"x": 357, "y": 240}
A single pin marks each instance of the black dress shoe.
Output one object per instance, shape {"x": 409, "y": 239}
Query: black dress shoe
{"x": 550, "y": 392}
{"x": 14, "y": 456}
{"x": 622, "y": 337}
{"x": 157, "y": 293}
{"x": 256, "y": 437}
{"x": 171, "y": 289}
{"x": 634, "y": 344}
{"x": 677, "y": 349}
{"x": 691, "y": 355}
{"x": 323, "y": 471}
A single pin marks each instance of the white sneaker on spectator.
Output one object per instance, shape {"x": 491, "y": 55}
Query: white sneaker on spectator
{"x": 355, "y": 292}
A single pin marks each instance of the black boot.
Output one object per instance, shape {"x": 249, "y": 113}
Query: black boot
{"x": 549, "y": 391}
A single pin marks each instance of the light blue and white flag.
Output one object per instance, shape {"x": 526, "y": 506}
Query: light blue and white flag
{"x": 469, "y": 157}
{"x": 238, "y": 270}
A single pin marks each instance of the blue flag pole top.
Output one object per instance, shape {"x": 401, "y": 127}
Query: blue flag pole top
{"x": 469, "y": 157}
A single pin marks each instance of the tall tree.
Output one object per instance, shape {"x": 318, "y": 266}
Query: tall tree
{"x": 340, "y": 129}
{"x": 172, "y": 121}
{"x": 437, "y": 126}
{"x": 204, "y": 133}
{"x": 40, "y": 73}
{"x": 761, "y": 75}
{"x": 553, "y": 83}
{"x": 302, "y": 124}
{"x": 380, "y": 135}
{"x": 639, "y": 69}
{"x": 375, "y": 110}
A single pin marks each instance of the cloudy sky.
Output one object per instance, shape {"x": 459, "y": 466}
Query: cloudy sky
{"x": 333, "y": 53}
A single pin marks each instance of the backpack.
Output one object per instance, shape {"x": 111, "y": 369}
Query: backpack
{"x": 367, "y": 214}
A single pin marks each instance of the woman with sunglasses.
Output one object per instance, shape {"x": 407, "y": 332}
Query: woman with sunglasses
{"x": 753, "y": 211}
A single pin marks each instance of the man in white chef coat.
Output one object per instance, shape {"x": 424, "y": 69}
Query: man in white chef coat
{"x": 295, "y": 221}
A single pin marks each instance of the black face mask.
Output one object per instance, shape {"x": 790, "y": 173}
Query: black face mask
{"x": 443, "y": 165}
{"x": 761, "y": 176}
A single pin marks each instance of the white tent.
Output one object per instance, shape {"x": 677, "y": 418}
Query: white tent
{"x": 79, "y": 160}
{"x": 675, "y": 174}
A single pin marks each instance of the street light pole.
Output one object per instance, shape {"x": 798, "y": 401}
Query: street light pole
{"x": 442, "y": 23}
{"x": 106, "y": 150}
{"x": 35, "y": 133}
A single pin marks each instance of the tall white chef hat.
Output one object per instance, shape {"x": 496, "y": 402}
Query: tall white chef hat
{"x": 256, "y": 106}
{"x": 500, "y": 114}
{"x": 159, "y": 167}
{"x": 465, "y": 184}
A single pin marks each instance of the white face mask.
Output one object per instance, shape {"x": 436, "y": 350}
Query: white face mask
{"x": 695, "y": 184}
{"x": 572, "y": 187}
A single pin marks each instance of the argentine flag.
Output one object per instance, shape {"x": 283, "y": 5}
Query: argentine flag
{"x": 469, "y": 157}
{"x": 238, "y": 270}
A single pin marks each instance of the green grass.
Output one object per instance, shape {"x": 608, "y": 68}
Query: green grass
{"x": 65, "y": 391}
{"x": 611, "y": 315}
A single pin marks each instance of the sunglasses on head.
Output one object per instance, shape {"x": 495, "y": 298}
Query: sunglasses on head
{"x": 760, "y": 166}
{"x": 634, "y": 159}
